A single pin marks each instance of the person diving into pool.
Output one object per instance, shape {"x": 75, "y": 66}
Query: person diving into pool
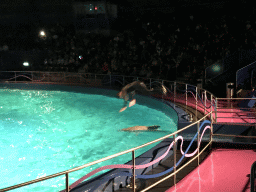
{"x": 137, "y": 87}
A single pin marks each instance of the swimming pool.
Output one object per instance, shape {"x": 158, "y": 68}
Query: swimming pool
{"x": 49, "y": 129}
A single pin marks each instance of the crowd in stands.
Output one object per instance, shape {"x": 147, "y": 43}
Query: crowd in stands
{"x": 163, "y": 48}
{"x": 155, "y": 48}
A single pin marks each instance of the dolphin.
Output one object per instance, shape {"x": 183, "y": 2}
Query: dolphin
{"x": 142, "y": 128}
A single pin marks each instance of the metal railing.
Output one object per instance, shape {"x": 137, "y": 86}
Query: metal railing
{"x": 238, "y": 115}
{"x": 121, "y": 153}
{"x": 233, "y": 106}
{"x": 179, "y": 93}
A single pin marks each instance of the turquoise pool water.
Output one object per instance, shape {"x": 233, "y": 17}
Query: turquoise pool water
{"x": 45, "y": 132}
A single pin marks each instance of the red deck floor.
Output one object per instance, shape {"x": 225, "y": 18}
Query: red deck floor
{"x": 225, "y": 170}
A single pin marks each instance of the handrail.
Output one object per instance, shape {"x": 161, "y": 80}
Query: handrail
{"x": 236, "y": 98}
{"x": 174, "y": 173}
{"x": 242, "y": 114}
{"x": 98, "y": 74}
{"x": 135, "y": 148}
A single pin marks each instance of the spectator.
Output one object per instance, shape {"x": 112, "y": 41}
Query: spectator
{"x": 143, "y": 71}
{"x": 127, "y": 71}
{"x": 77, "y": 64}
{"x": 62, "y": 61}
{"x": 192, "y": 36}
{"x": 45, "y": 62}
{"x": 134, "y": 72}
{"x": 115, "y": 70}
{"x": 105, "y": 68}
{"x": 98, "y": 69}
{"x": 195, "y": 76}
{"x": 168, "y": 72}
{"x": 149, "y": 72}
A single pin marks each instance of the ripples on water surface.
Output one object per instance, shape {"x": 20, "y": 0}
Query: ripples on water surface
{"x": 45, "y": 132}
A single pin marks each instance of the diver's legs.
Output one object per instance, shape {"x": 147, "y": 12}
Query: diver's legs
{"x": 132, "y": 102}
{"x": 121, "y": 110}
{"x": 124, "y": 107}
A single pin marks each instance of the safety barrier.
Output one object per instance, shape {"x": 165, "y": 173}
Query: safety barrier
{"x": 235, "y": 108}
{"x": 203, "y": 127}
{"x": 178, "y": 93}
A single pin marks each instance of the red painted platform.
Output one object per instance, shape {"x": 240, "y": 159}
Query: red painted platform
{"x": 224, "y": 170}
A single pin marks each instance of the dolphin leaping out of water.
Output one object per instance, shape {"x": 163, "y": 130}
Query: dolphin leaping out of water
{"x": 142, "y": 128}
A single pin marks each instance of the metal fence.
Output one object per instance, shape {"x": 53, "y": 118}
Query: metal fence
{"x": 179, "y": 93}
{"x": 134, "y": 167}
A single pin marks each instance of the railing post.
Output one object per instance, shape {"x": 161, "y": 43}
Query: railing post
{"x": 174, "y": 94}
{"x": 198, "y": 142}
{"x": 216, "y": 108}
{"x": 211, "y": 117}
{"x": 110, "y": 80}
{"x": 80, "y": 78}
{"x": 166, "y": 90}
{"x": 133, "y": 170}
{"x": 204, "y": 102}
{"x": 211, "y": 105}
{"x": 174, "y": 159}
{"x": 186, "y": 98}
{"x": 67, "y": 183}
{"x": 196, "y": 104}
